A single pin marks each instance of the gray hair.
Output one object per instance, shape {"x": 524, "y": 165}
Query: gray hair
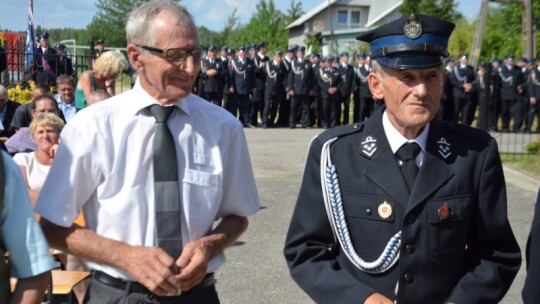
{"x": 97, "y": 96}
{"x": 139, "y": 24}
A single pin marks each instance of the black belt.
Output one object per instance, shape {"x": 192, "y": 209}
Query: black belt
{"x": 139, "y": 288}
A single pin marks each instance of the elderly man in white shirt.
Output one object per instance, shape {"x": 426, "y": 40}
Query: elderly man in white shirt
{"x": 108, "y": 166}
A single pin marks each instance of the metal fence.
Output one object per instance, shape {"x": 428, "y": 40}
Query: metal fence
{"x": 15, "y": 73}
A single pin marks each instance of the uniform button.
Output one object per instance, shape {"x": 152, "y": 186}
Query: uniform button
{"x": 410, "y": 219}
{"x": 368, "y": 212}
{"x": 409, "y": 248}
{"x": 408, "y": 278}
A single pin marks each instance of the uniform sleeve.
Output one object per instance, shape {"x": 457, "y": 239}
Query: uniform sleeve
{"x": 77, "y": 166}
{"x": 22, "y": 235}
{"x": 531, "y": 292}
{"x": 240, "y": 195}
{"x": 493, "y": 256}
{"x": 312, "y": 263}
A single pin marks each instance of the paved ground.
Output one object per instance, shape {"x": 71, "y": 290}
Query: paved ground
{"x": 256, "y": 270}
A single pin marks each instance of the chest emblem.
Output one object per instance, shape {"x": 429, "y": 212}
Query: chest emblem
{"x": 444, "y": 148}
{"x": 369, "y": 146}
{"x": 384, "y": 210}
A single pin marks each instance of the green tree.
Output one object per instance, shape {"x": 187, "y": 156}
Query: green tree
{"x": 443, "y": 9}
{"x": 294, "y": 12}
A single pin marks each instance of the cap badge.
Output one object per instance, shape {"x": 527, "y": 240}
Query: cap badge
{"x": 444, "y": 148}
{"x": 369, "y": 146}
{"x": 412, "y": 28}
{"x": 385, "y": 210}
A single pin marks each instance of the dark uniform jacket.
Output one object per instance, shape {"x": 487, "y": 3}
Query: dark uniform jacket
{"x": 11, "y": 107}
{"x": 48, "y": 56}
{"x": 315, "y": 82}
{"x": 260, "y": 74}
{"x": 300, "y": 77}
{"x": 64, "y": 66}
{"x": 460, "y": 77}
{"x": 215, "y": 83}
{"x": 275, "y": 74}
{"x": 347, "y": 79}
{"x": 361, "y": 86}
{"x": 471, "y": 256}
{"x": 534, "y": 84}
{"x": 242, "y": 76}
{"x": 510, "y": 80}
{"x": 329, "y": 78}
{"x": 448, "y": 88}
{"x": 531, "y": 292}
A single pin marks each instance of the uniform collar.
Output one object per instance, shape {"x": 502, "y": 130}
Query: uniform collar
{"x": 397, "y": 140}
{"x": 144, "y": 100}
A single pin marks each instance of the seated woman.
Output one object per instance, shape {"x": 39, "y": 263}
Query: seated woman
{"x": 23, "y": 141}
{"x": 104, "y": 72}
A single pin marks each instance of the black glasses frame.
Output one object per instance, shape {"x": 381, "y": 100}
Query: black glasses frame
{"x": 196, "y": 53}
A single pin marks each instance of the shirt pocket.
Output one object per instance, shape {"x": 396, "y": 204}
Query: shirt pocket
{"x": 449, "y": 222}
{"x": 370, "y": 220}
{"x": 200, "y": 189}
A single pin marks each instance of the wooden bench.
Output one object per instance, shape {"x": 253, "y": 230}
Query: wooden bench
{"x": 62, "y": 282}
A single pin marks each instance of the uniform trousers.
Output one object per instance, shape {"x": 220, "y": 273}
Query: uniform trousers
{"x": 271, "y": 103}
{"x": 257, "y": 106}
{"x": 213, "y": 97}
{"x": 299, "y": 101}
{"x": 346, "y": 101}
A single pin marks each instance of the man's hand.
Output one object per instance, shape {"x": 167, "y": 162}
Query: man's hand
{"x": 231, "y": 90}
{"x": 378, "y": 298}
{"x": 332, "y": 90}
{"x": 291, "y": 93}
{"x": 4, "y": 139}
{"x": 152, "y": 267}
{"x": 193, "y": 264}
{"x": 52, "y": 151}
{"x": 533, "y": 101}
{"x": 211, "y": 72}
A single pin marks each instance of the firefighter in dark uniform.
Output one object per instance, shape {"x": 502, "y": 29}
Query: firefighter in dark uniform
{"x": 46, "y": 61}
{"x": 428, "y": 227}
{"x": 285, "y": 105}
{"x": 446, "y": 111}
{"x": 299, "y": 88}
{"x": 63, "y": 63}
{"x": 275, "y": 74}
{"x": 533, "y": 91}
{"x": 212, "y": 76}
{"x": 347, "y": 74}
{"x": 363, "y": 102}
{"x": 315, "y": 112}
{"x": 230, "y": 104}
{"x": 329, "y": 80}
{"x": 483, "y": 87}
{"x": 464, "y": 93}
{"x": 511, "y": 78}
{"x": 494, "y": 106}
{"x": 242, "y": 84}
{"x": 259, "y": 63}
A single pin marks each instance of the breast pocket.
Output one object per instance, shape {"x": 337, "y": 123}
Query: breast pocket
{"x": 370, "y": 220}
{"x": 201, "y": 188}
{"x": 449, "y": 222}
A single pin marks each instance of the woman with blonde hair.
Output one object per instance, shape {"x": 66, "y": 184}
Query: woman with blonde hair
{"x": 104, "y": 72}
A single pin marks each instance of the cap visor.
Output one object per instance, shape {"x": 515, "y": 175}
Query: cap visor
{"x": 410, "y": 61}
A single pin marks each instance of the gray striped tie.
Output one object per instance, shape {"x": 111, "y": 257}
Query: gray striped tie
{"x": 166, "y": 192}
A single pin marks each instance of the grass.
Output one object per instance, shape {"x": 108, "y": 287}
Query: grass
{"x": 528, "y": 164}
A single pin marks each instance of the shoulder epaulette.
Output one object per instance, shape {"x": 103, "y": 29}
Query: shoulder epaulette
{"x": 468, "y": 131}
{"x": 340, "y": 131}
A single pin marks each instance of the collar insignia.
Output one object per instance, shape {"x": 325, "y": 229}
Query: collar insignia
{"x": 444, "y": 148}
{"x": 369, "y": 146}
{"x": 413, "y": 27}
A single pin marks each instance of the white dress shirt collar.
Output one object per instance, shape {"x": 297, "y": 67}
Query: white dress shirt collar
{"x": 145, "y": 100}
{"x": 396, "y": 140}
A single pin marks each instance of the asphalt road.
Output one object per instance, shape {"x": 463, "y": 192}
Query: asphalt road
{"x": 256, "y": 271}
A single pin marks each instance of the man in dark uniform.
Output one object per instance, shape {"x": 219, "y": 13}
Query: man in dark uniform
{"x": 63, "y": 63}
{"x": 96, "y": 50}
{"x": 446, "y": 111}
{"x": 229, "y": 98}
{"x": 46, "y": 61}
{"x": 494, "y": 105}
{"x": 275, "y": 73}
{"x": 531, "y": 292}
{"x": 483, "y": 88}
{"x": 259, "y": 63}
{"x": 212, "y": 76}
{"x": 347, "y": 74}
{"x": 329, "y": 80}
{"x": 464, "y": 93}
{"x": 533, "y": 91}
{"x": 511, "y": 78}
{"x": 363, "y": 103}
{"x": 315, "y": 112}
{"x": 243, "y": 84}
{"x": 285, "y": 105}
{"x": 403, "y": 207}
{"x": 523, "y": 94}
{"x": 299, "y": 88}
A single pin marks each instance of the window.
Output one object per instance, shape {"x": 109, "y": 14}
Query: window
{"x": 355, "y": 19}
{"x": 342, "y": 17}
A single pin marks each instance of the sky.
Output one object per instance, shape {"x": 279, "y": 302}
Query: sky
{"x": 79, "y": 13}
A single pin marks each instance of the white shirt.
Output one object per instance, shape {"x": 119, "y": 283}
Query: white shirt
{"x": 107, "y": 170}
{"x": 36, "y": 173}
{"x": 397, "y": 140}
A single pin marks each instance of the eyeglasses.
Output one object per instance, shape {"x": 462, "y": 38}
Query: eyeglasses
{"x": 177, "y": 55}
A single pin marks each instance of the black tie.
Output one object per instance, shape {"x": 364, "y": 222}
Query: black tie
{"x": 407, "y": 154}
{"x": 166, "y": 192}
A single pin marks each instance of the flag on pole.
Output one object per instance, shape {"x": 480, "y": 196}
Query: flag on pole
{"x": 30, "y": 40}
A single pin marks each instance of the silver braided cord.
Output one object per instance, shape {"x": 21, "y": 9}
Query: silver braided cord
{"x": 336, "y": 216}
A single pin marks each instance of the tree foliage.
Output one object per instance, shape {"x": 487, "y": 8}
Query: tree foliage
{"x": 443, "y": 9}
